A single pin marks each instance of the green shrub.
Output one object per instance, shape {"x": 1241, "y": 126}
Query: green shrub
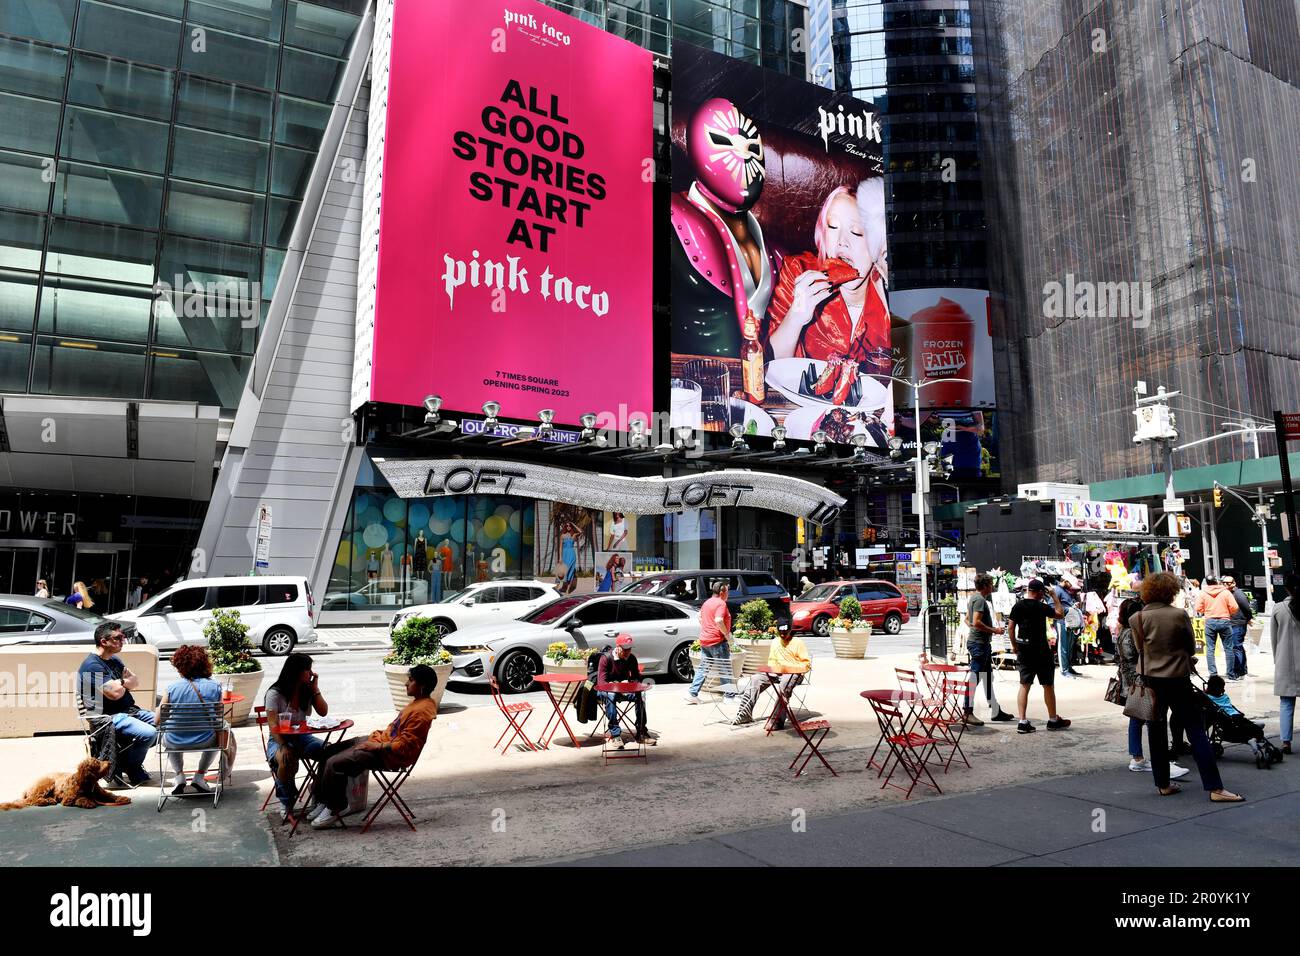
{"x": 850, "y": 609}
{"x": 417, "y": 641}
{"x": 228, "y": 646}
{"x": 754, "y": 619}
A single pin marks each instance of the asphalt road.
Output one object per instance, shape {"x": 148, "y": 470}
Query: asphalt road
{"x": 353, "y": 682}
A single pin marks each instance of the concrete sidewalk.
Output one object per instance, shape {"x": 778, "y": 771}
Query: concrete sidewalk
{"x": 706, "y": 786}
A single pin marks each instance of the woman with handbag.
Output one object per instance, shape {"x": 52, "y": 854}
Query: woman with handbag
{"x": 1165, "y": 647}
{"x": 1126, "y": 683}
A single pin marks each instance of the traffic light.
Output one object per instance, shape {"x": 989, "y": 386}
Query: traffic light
{"x": 1218, "y": 497}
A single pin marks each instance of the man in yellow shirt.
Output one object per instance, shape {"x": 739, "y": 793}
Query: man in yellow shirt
{"x": 789, "y": 656}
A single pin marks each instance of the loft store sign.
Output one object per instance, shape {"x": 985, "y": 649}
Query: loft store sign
{"x": 652, "y": 495}
{"x": 49, "y": 523}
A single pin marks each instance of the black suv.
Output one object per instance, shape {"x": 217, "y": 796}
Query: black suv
{"x": 695, "y": 587}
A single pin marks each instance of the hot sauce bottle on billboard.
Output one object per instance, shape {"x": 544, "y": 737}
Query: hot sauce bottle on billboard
{"x": 751, "y": 361}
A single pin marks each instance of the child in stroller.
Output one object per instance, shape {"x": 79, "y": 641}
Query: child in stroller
{"x": 1225, "y": 723}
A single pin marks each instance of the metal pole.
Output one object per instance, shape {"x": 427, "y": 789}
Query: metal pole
{"x": 1284, "y": 463}
{"x": 1214, "y": 538}
{"x": 1205, "y": 541}
{"x": 1263, "y": 532}
{"x": 920, "y": 502}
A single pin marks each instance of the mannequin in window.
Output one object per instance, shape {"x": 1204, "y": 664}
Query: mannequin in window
{"x": 372, "y": 564}
{"x": 386, "y": 576}
{"x": 420, "y": 556}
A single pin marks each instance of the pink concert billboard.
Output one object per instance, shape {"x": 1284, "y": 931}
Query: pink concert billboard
{"x": 514, "y": 259}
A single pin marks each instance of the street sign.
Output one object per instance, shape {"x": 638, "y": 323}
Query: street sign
{"x": 1290, "y": 425}
{"x": 262, "y": 554}
{"x": 1173, "y": 504}
{"x": 1257, "y": 549}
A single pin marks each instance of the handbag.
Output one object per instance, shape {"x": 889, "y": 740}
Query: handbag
{"x": 1141, "y": 703}
{"x": 1115, "y": 692}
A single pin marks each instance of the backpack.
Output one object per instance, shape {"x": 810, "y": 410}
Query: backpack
{"x": 593, "y": 664}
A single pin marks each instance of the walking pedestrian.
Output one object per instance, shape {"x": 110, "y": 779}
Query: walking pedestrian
{"x": 1128, "y": 682}
{"x": 715, "y": 642}
{"x": 1284, "y": 627}
{"x": 1166, "y": 646}
{"x": 1028, "y": 633}
{"x": 42, "y": 588}
{"x": 80, "y": 597}
{"x": 1240, "y": 620}
{"x": 979, "y": 645}
{"x": 1218, "y": 606}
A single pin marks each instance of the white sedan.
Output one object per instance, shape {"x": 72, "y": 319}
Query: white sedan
{"x": 480, "y": 602}
{"x": 662, "y": 632}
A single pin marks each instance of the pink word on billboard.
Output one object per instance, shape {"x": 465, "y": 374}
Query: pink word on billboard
{"x": 514, "y": 263}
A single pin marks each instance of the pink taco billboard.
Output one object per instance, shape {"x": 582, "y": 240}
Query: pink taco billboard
{"x": 514, "y": 263}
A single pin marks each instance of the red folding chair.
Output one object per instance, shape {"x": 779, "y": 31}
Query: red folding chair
{"x": 907, "y": 750}
{"x": 260, "y": 713}
{"x": 511, "y": 713}
{"x": 390, "y": 796}
{"x": 813, "y": 733}
{"x": 946, "y": 721}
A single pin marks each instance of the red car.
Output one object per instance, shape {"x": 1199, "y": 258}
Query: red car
{"x": 882, "y": 604}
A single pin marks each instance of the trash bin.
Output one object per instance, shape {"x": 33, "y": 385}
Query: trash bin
{"x": 936, "y": 634}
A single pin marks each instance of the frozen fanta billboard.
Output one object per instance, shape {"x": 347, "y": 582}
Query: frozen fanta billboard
{"x": 514, "y": 259}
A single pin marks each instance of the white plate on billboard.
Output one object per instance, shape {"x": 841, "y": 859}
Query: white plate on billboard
{"x": 785, "y": 375}
{"x": 803, "y": 421}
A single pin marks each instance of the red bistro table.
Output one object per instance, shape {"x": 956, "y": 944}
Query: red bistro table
{"x": 624, "y": 709}
{"x": 568, "y": 689}
{"x": 912, "y": 699}
{"x": 782, "y": 708}
{"x": 307, "y": 790}
{"x": 935, "y": 674}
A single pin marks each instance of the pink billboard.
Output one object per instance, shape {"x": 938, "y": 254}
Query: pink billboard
{"x": 514, "y": 258}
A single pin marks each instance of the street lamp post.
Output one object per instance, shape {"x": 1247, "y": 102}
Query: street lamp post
{"x": 919, "y": 498}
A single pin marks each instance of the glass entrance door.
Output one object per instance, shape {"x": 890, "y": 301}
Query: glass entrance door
{"x": 102, "y": 570}
{"x": 19, "y": 570}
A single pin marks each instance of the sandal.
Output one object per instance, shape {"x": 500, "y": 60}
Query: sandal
{"x": 1170, "y": 790}
{"x": 1226, "y": 796}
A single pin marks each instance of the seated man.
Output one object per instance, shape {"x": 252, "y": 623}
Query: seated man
{"x": 789, "y": 655}
{"x": 105, "y": 684}
{"x": 390, "y": 749}
{"x": 619, "y": 665}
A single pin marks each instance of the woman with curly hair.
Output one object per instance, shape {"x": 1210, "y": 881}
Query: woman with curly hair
{"x": 195, "y": 686}
{"x": 1165, "y": 647}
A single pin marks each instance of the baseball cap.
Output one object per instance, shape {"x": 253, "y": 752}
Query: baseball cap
{"x": 623, "y": 640}
{"x": 1035, "y": 585}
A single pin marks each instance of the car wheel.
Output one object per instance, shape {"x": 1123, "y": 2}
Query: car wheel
{"x": 278, "y": 641}
{"x": 442, "y": 627}
{"x": 680, "y": 667}
{"x": 517, "y": 670}
{"x": 893, "y": 623}
{"x": 822, "y": 625}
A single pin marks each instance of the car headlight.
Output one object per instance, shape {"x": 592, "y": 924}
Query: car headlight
{"x": 469, "y": 649}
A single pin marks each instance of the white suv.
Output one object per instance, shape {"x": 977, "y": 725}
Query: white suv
{"x": 479, "y": 602}
{"x": 279, "y": 612}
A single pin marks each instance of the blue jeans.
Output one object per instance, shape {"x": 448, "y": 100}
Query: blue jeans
{"x": 981, "y": 669}
{"x": 715, "y": 661}
{"x": 1222, "y": 629}
{"x": 611, "y": 712}
{"x": 1237, "y": 652}
{"x": 1135, "y": 737}
{"x": 139, "y": 736}
{"x": 1287, "y": 718}
{"x": 300, "y": 746}
{"x": 1065, "y": 641}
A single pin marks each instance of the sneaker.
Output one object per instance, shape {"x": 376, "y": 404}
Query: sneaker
{"x": 117, "y": 782}
{"x": 200, "y": 784}
{"x": 1286, "y": 746}
{"x": 1176, "y": 772}
{"x": 692, "y": 699}
{"x": 282, "y": 814}
{"x": 141, "y": 780}
{"x": 325, "y": 820}
{"x": 741, "y": 720}
{"x": 970, "y": 720}
{"x": 1137, "y": 766}
{"x": 1025, "y": 727}
{"x": 178, "y": 785}
{"x": 1002, "y": 715}
{"x": 315, "y": 810}
{"x": 1058, "y": 723}
{"x": 647, "y": 740}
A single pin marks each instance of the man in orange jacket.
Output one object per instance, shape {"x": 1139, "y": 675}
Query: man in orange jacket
{"x": 1218, "y": 605}
{"x": 393, "y": 748}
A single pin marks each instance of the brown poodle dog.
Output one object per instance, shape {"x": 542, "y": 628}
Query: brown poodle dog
{"x": 77, "y": 789}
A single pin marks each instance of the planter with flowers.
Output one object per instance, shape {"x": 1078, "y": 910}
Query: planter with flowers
{"x": 562, "y": 658}
{"x": 850, "y": 632}
{"x": 233, "y": 663}
{"x": 417, "y": 641}
{"x": 738, "y": 656}
{"x": 755, "y": 630}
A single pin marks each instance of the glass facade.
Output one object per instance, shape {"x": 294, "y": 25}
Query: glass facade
{"x": 1127, "y": 146}
{"x": 153, "y": 154}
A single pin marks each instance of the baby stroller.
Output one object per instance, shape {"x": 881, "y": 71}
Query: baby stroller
{"x": 1222, "y": 727}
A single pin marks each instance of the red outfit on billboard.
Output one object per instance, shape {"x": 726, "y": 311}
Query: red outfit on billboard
{"x": 831, "y": 332}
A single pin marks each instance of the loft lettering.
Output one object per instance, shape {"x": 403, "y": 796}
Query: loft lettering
{"x": 459, "y": 481}
{"x": 700, "y": 494}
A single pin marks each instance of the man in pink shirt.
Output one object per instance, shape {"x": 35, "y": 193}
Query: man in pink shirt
{"x": 715, "y": 642}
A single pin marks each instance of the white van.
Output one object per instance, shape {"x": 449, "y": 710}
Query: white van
{"x": 279, "y": 612}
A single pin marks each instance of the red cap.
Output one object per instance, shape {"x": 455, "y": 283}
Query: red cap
{"x": 623, "y": 640}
